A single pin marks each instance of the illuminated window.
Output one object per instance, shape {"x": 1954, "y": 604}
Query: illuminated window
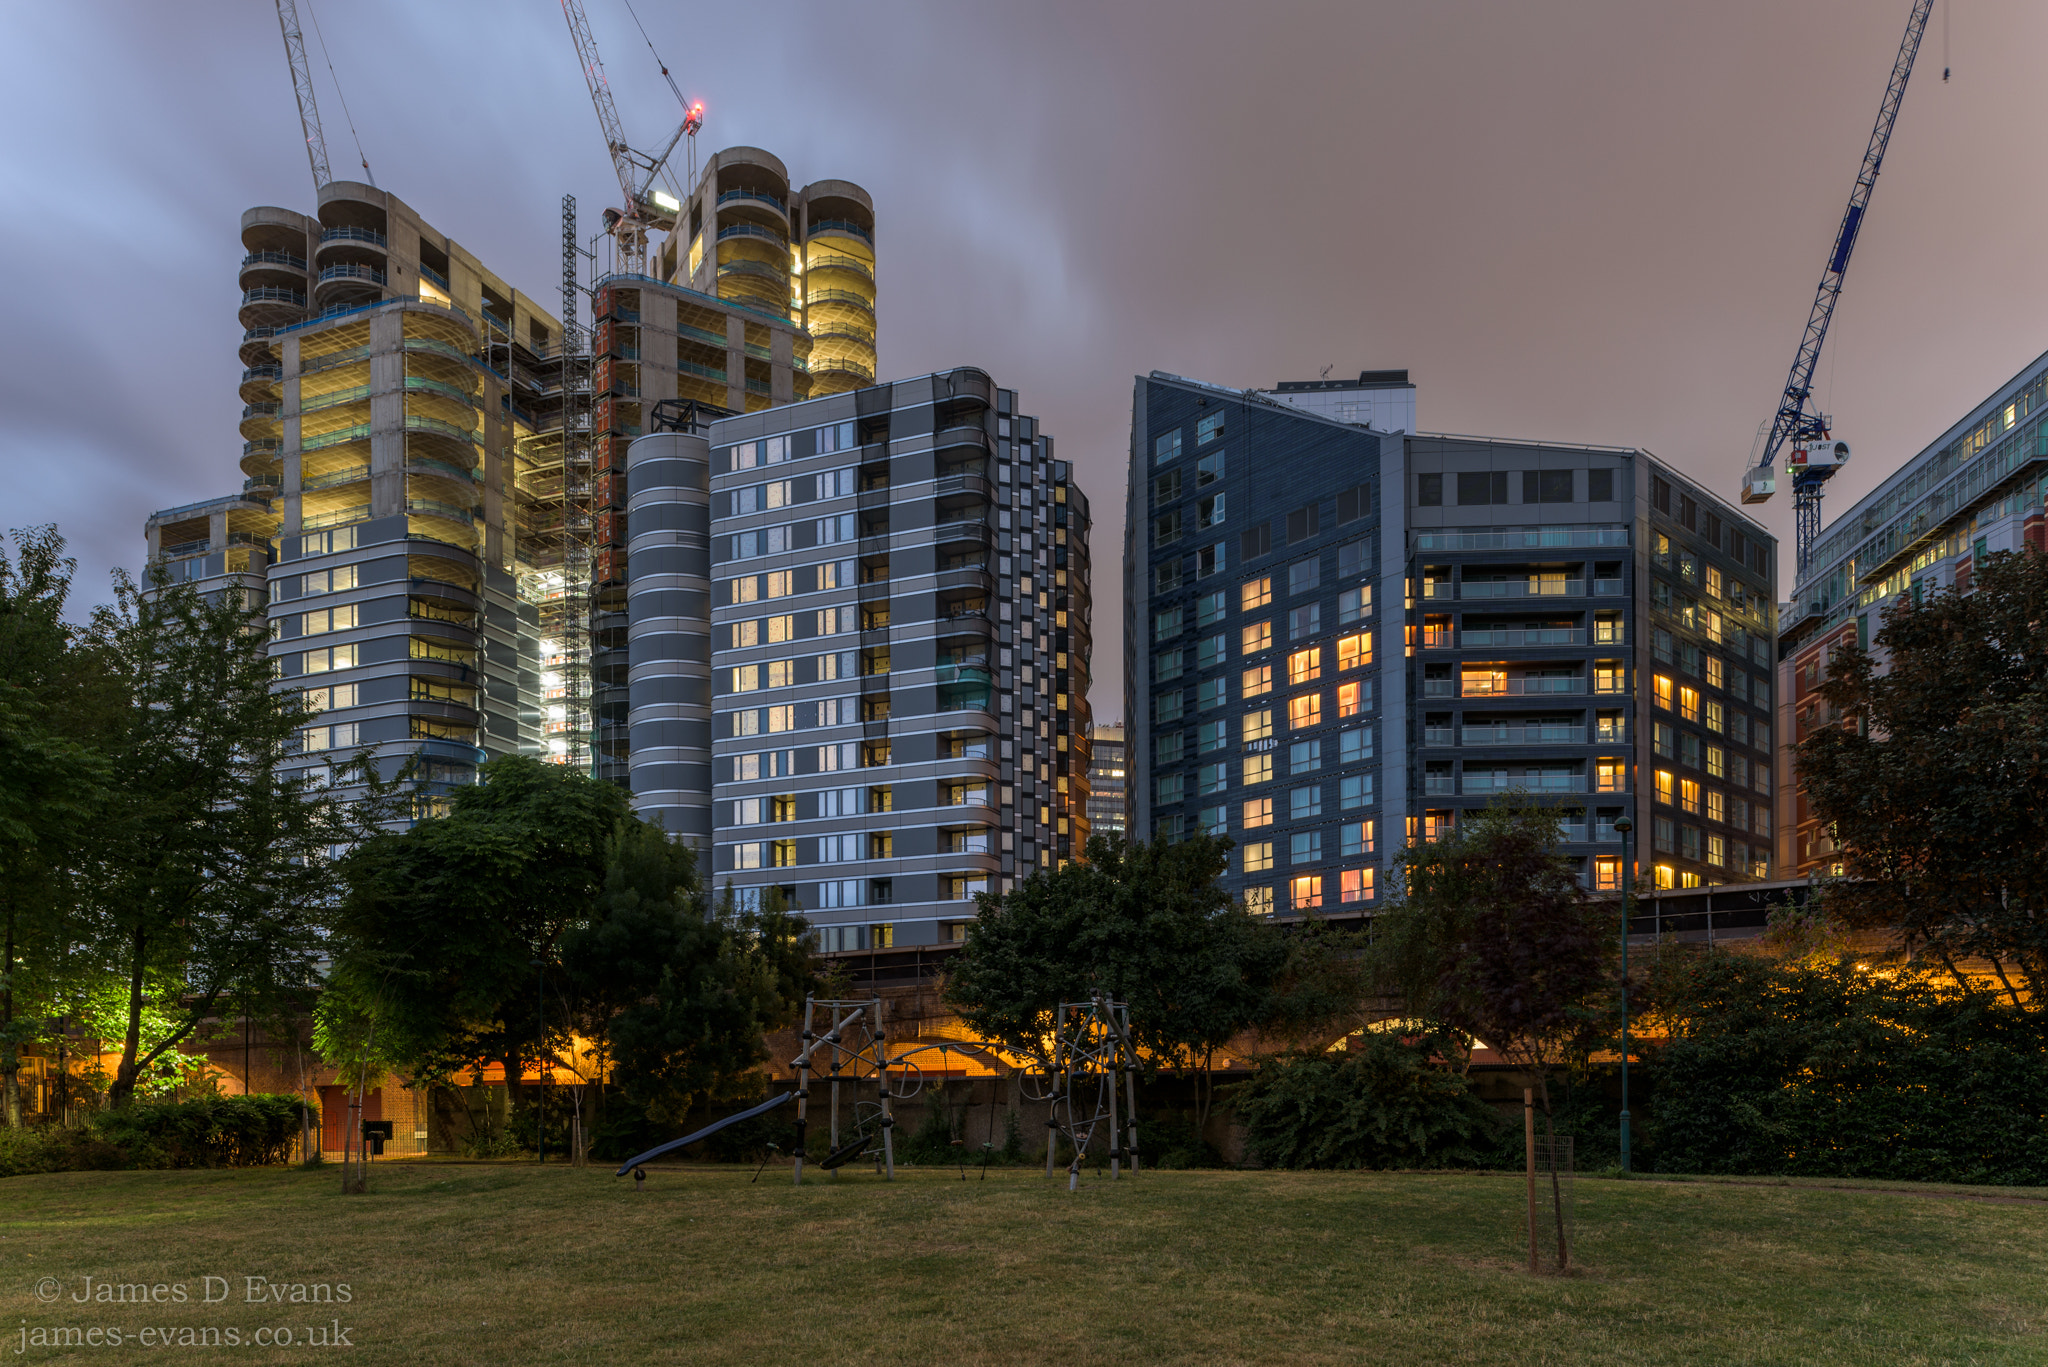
{"x": 1258, "y": 856}
{"x": 1482, "y": 681}
{"x": 781, "y": 583}
{"x": 1666, "y": 876}
{"x": 1689, "y": 703}
{"x": 1305, "y": 665}
{"x": 1689, "y": 879}
{"x": 1354, "y": 605}
{"x": 745, "y": 634}
{"x": 1713, "y": 582}
{"x": 783, "y": 852}
{"x": 1661, "y": 686}
{"x": 1304, "y": 711}
{"x": 781, "y": 673}
{"x": 746, "y": 590}
{"x": 1354, "y": 651}
{"x": 781, "y": 629}
{"x": 784, "y": 719}
{"x": 1258, "y": 681}
{"x": 1258, "y": 901}
{"x": 1717, "y": 851}
{"x": 1255, "y": 593}
{"x": 1354, "y": 839}
{"x": 746, "y": 678}
{"x": 1716, "y": 717}
{"x": 1610, "y": 676}
{"x": 1607, "y": 874}
{"x": 1258, "y": 769}
{"x": 1610, "y": 776}
{"x": 1355, "y": 885}
{"x": 1717, "y": 761}
{"x": 1717, "y": 805}
{"x": 1689, "y": 795}
{"x": 1255, "y": 638}
{"x": 1607, "y": 629}
{"x": 1715, "y": 672}
{"x": 1350, "y": 699}
{"x": 1664, "y": 785}
{"x": 1258, "y": 812}
{"x": 1256, "y": 725}
{"x": 1306, "y": 892}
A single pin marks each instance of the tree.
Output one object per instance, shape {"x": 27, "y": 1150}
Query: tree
{"x": 439, "y": 926}
{"x": 1496, "y": 940}
{"x": 1931, "y": 782}
{"x": 676, "y": 995}
{"x": 1145, "y": 924}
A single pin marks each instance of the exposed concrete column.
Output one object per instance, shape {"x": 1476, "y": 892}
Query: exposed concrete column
{"x": 217, "y": 530}
{"x": 781, "y": 355}
{"x": 387, "y": 413}
{"x": 735, "y": 363}
{"x": 290, "y": 461}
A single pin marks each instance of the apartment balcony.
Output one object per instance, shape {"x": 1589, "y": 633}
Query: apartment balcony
{"x": 1490, "y": 637}
{"x": 756, "y": 231}
{"x": 1541, "y": 538}
{"x": 976, "y": 579}
{"x": 259, "y": 346}
{"x": 1534, "y": 586}
{"x": 362, "y": 246}
{"x": 845, "y": 369}
{"x": 964, "y": 436}
{"x": 972, "y": 530}
{"x": 755, "y": 199}
{"x": 838, "y": 298}
{"x": 261, "y": 382}
{"x": 1485, "y": 783}
{"x": 348, "y": 283}
{"x": 1524, "y": 734}
{"x": 840, "y": 227}
{"x": 281, "y": 269}
{"x": 842, "y": 264}
{"x": 271, "y": 306}
{"x": 1517, "y": 686}
{"x": 334, "y": 479}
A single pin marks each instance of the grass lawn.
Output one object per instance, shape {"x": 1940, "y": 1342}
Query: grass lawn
{"x": 515, "y": 1264}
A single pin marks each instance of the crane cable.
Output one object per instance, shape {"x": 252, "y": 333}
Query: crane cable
{"x": 657, "y": 57}
{"x": 348, "y": 117}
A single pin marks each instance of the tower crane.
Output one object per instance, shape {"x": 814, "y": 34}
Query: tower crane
{"x": 302, "y": 86}
{"x": 1815, "y": 456}
{"x": 646, "y": 207}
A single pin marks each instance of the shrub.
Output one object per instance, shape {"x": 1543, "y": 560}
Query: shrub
{"x": 204, "y": 1132}
{"x": 1382, "y": 1106}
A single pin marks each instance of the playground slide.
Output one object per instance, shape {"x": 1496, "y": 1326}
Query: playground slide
{"x": 704, "y": 1133}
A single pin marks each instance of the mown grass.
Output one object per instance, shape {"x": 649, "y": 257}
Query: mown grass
{"x": 516, "y": 1264}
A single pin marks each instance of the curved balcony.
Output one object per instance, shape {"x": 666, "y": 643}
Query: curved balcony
{"x": 421, "y": 384}
{"x": 258, "y": 346}
{"x": 334, "y": 479}
{"x": 431, "y": 507}
{"x": 815, "y": 298}
{"x": 341, "y": 436}
{"x": 957, "y": 437}
{"x": 758, "y": 270}
{"x": 415, "y": 422}
{"x": 440, "y": 591}
{"x": 840, "y": 333}
{"x": 271, "y": 306}
{"x": 261, "y": 420}
{"x": 443, "y": 469}
{"x": 347, "y": 282}
{"x": 967, "y": 383}
{"x": 260, "y": 382}
{"x": 966, "y": 578}
{"x": 753, "y": 230}
{"x": 365, "y": 246}
{"x": 820, "y": 227}
{"x": 750, "y": 197}
{"x": 836, "y": 261}
{"x": 968, "y": 530}
{"x": 843, "y": 368}
{"x": 283, "y": 269}
{"x": 262, "y": 487}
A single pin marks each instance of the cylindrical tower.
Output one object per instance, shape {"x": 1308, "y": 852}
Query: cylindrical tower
{"x": 668, "y": 608}
{"x": 836, "y": 288}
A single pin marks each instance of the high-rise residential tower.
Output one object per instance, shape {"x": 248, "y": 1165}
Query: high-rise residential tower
{"x": 896, "y": 710}
{"x": 1106, "y": 788}
{"x": 1338, "y": 639}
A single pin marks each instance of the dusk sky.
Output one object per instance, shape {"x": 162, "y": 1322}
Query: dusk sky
{"x": 1583, "y": 222}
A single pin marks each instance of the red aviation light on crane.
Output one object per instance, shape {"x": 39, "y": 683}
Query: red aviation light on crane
{"x": 694, "y": 118}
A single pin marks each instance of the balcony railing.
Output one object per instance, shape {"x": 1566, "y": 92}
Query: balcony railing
{"x": 840, "y": 225}
{"x": 375, "y": 239}
{"x": 273, "y": 294}
{"x": 753, "y": 230}
{"x": 352, "y": 474}
{"x": 1499, "y": 781}
{"x": 1517, "y": 687}
{"x": 434, "y": 276}
{"x": 1524, "y": 636}
{"x": 348, "y": 270}
{"x": 285, "y": 259}
{"x": 263, "y": 372}
{"x": 428, "y": 507}
{"x": 1533, "y": 539}
{"x": 1604, "y": 588}
{"x": 859, "y": 301}
{"x": 1522, "y": 588}
{"x": 1525, "y": 735}
{"x": 735, "y": 196}
{"x": 835, "y": 261}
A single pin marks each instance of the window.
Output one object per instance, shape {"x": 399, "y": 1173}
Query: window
{"x": 1666, "y": 835}
{"x": 1209, "y": 609}
{"x": 1304, "y": 666}
{"x": 1305, "y": 757}
{"x": 1166, "y": 749}
{"x": 1305, "y": 711}
{"x": 1209, "y": 511}
{"x": 1429, "y": 491}
{"x": 1209, "y": 651}
{"x": 1166, "y": 447}
{"x": 1166, "y": 707}
{"x": 1355, "y": 745}
{"x": 1717, "y": 762}
{"x": 1255, "y": 542}
{"x": 1209, "y": 428}
{"x": 1304, "y": 575}
{"x": 1717, "y": 805}
{"x": 1210, "y": 693}
{"x": 1258, "y": 857}
{"x": 1256, "y": 726}
{"x": 1255, "y": 593}
{"x": 1546, "y": 486}
{"x": 1662, "y": 740}
{"x": 1609, "y": 676}
{"x": 1209, "y": 469}
{"x": 1305, "y": 847}
{"x": 1716, "y": 717}
{"x": 1713, "y": 582}
{"x": 1599, "y": 486}
{"x": 1166, "y": 488}
{"x": 332, "y": 657}
{"x": 1258, "y": 901}
{"x": 1689, "y": 845}
{"x": 1166, "y": 528}
{"x": 1306, "y": 620}
{"x": 1689, "y": 751}
{"x": 1607, "y": 629}
{"x": 1689, "y": 703}
{"x": 1355, "y": 838}
{"x": 1166, "y": 665}
{"x": 1166, "y": 625}
{"x": 1305, "y": 802}
{"x": 784, "y": 719}
{"x": 1168, "y": 789}
{"x": 1257, "y": 682}
{"x": 327, "y": 581}
{"x": 1306, "y": 892}
{"x": 1213, "y": 778}
{"x": 326, "y": 620}
{"x": 1166, "y": 578}
{"x": 1258, "y": 812}
{"x": 1610, "y": 776}
{"x": 1665, "y": 780}
{"x": 1258, "y": 769}
{"x": 1211, "y": 735}
{"x": 1355, "y": 885}
{"x": 1689, "y": 795}
{"x": 1355, "y": 791}
{"x": 1661, "y": 688}
{"x": 1353, "y": 503}
{"x": 1209, "y": 560}
{"x": 1481, "y": 487}
{"x": 1256, "y": 637}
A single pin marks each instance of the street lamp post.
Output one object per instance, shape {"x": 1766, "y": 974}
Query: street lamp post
{"x": 1626, "y": 828}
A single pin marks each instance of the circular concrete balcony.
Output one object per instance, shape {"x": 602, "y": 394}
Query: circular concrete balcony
{"x": 348, "y": 283}
{"x": 280, "y": 268}
{"x": 272, "y": 306}
{"x": 351, "y": 245}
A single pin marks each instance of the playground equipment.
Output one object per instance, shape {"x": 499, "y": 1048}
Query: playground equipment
{"x": 845, "y": 1048}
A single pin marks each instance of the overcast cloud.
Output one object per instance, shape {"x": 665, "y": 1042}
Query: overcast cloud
{"x": 1595, "y": 222}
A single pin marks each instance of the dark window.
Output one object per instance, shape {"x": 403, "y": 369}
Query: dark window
{"x": 1429, "y": 491}
{"x": 1688, "y": 513}
{"x": 1166, "y": 529}
{"x": 1304, "y": 575}
{"x": 1209, "y": 469}
{"x": 1738, "y": 546}
{"x": 1167, "y": 577}
{"x": 1712, "y": 530}
{"x": 1353, "y": 504}
{"x": 1660, "y": 494}
{"x": 1759, "y": 560}
{"x": 1546, "y": 486}
{"x": 1303, "y": 523}
{"x": 1599, "y": 486}
{"x": 1166, "y": 488}
{"x": 1476, "y": 487}
{"x": 1351, "y": 559}
{"x": 1255, "y": 542}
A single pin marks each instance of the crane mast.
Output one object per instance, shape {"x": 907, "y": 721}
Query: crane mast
{"x": 1814, "y": 458}
{"x": 302, "y": 87}
{"x": 642, "y": 210}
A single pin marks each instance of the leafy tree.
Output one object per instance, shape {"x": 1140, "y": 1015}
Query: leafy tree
{"x": 1380, "y": 1106}
{"x": 1145, "y": 924}
{"x": 1932, "y": 782}
{"x": 676, "y": 994}
{"x": 440, "y": 925}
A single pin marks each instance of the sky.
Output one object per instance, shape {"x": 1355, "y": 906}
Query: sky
{"x": 1587, "y": 222}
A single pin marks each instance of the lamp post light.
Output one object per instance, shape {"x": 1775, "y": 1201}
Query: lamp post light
{"x": 1626, "y": 828}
